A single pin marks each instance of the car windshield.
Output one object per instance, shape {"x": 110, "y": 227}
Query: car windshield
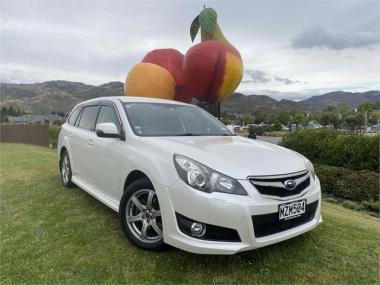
{"x": 160, "y": 119}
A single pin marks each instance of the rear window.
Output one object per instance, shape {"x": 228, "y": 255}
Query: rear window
{"x": 88, "y": 117}
{"x": 74, "y": 115}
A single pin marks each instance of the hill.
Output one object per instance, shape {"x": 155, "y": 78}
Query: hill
{"x": 341, "y": 98}
{"x": 54, "y": 95}
{"x": 45, "y": 97}
{"x": 239, "y": 103}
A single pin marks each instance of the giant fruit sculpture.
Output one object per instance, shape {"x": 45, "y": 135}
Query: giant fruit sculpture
{"x": 213, "y": 68}
{"x": 172, "y": 61}
{"x": 149, "y": 80}
{"x": 210, "y": 71}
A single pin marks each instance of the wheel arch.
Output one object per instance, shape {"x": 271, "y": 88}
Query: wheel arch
{"x": 62, "y": 150}
{"x": 135, "y": 175}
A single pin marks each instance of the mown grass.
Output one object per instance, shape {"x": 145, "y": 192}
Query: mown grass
{"x": 53, "y": 235}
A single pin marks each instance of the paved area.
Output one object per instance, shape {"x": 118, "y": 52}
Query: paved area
{"x": 274, "y": 140}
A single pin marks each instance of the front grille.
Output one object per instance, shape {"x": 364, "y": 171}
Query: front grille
{"x": 274, "y": 185}
{"x": 270, "y": 224}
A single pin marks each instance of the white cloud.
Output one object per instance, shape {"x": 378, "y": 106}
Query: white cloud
{"x": 99, "y": 41}
{"x": 321, "y": 37}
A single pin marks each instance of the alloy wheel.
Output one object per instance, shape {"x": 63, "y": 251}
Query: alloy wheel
{"x": 65, "y": 169}
{"x": 143, "y": 216}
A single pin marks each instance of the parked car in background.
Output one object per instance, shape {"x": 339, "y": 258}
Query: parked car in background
{"x": 178, "y": 176}
{"x": 235, "y": 127}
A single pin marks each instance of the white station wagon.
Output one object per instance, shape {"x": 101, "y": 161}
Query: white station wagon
{"x": 178, "y": 176}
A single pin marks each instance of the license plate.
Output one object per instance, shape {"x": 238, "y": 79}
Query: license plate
{"x": 291, "y": 210}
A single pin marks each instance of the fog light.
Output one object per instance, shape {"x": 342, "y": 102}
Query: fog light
{"x": 198, "y": 229}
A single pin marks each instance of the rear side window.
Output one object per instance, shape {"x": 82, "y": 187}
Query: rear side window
{"x": 108, "y": 115}
{"x": 88, "y": 117}
{"x": 74, "y": 116}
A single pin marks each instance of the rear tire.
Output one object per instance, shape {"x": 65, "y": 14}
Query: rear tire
{"x": 66, "y": 172}
{"x": 140, "y": 215}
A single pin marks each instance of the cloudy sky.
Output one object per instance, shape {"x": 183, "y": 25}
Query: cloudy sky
{"x": 290, "y": 49}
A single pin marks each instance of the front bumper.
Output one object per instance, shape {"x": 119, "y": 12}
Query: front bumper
{"x": 229, "y": 211}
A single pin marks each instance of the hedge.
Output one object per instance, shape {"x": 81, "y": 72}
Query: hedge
{"x": 349, "y": 184}
{"x": 336, "y": 148}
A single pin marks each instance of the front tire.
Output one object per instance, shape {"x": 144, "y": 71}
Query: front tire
{"x": 66, "y": 172}
{"x": 140, "y": 215}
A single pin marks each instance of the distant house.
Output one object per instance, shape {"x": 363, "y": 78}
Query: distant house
{"x": 36, "y": 119}
{"x": 284, "y": 128}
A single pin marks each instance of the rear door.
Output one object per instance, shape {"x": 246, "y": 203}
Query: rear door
{"x": 105, "y": 167}
{"x": 84, "y": 139}
{"x": 70, "y": 128}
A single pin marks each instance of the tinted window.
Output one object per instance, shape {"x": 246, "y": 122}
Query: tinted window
{"x": 108, "y": 115}
{"x": 74, "y": 116}
{"x": 88, "y": 117}
{"x": 157, "y": 119}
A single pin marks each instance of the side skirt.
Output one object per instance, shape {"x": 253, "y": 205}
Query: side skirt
{"x": 104, "y": 198}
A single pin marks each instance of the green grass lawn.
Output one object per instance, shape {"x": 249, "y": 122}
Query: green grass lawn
{"x": 50, "y": 234}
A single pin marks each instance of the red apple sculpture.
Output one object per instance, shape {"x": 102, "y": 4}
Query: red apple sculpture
{"x": 172, "y": 61}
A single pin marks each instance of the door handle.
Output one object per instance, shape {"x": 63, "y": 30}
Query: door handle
{"x": 90, "y": 142}
{"x": 71, "y": 135}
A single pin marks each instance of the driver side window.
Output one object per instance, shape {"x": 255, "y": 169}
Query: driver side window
{"x": 108, "y": 114}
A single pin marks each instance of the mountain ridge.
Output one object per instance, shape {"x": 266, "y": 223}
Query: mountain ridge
{"x": 62, "y": 95}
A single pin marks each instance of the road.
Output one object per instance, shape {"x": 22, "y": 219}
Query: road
{"x": 274, "y": 140}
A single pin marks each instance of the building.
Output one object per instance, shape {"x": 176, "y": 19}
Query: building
{"x": 36, "y": 119}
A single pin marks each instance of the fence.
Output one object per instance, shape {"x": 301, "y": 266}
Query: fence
{"x": 29, "y": 134}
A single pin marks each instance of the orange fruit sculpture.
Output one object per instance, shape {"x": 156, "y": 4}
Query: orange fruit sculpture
{"x": 149, "y": 80}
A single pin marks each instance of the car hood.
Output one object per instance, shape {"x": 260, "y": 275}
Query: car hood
{"x": 234, "y": 156}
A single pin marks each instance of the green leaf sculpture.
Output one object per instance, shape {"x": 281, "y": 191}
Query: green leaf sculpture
{"x": 207, "y": 19}
{"x": 194, "y": 28}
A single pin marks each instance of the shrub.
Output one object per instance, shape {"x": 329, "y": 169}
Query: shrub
{"x": 349, "y": 150}
{"x": 371, "y": 205}
{"x": 53, "y": 133}
{"x": 259, "y": 130}
{"x": 349, "y": 184}
{"x": 331, "y": 200}
{"x": 350, "y": 205}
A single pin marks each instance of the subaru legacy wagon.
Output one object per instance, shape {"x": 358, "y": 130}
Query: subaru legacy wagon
{"x": 177, "y": 176}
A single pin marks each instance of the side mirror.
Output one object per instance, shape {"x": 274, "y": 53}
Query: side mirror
{"x": 107, "y": 130}
{"x": 231, "y": 129}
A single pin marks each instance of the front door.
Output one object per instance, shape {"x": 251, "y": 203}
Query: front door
{"x": 105, "y": 168}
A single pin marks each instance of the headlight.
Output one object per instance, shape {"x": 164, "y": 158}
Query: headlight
{"x": 310, "y": 167}
{"x": 204, "y": 178}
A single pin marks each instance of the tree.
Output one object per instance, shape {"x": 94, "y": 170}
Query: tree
{"x": 284, "y": 118}
{"x": 366, "y": 106}
{"x": 327, "y": 118}
{"x": 259, "y": 117}
{"x": 355, "y": 121}
{"x": 247, "y": 119}
{"x": 277, "y": 126}
{"x": 373, "y": 118}
{"x": 331, "y": 109}
{"x": 298, "y": 119}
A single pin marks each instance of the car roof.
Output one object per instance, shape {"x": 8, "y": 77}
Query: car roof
{"x": 131, "y": 99}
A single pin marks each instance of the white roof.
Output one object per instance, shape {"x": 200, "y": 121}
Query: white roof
{"x": 137, "y": 99}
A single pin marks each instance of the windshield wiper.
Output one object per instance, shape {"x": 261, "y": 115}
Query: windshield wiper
{"x": 202, "y": 135}
{"x": 185, "y": 135}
